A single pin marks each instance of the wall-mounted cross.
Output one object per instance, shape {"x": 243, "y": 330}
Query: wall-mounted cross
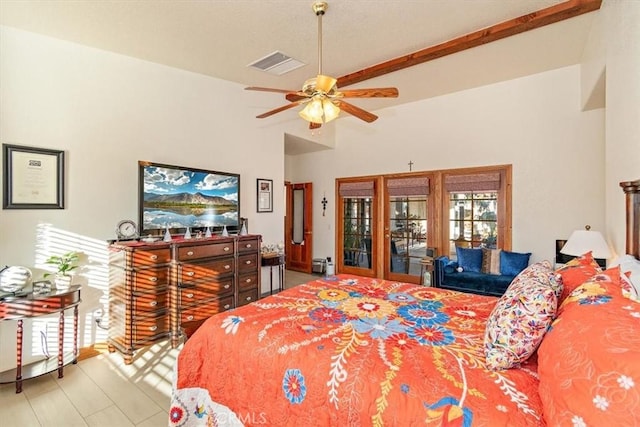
{"x": 410, "y": 165}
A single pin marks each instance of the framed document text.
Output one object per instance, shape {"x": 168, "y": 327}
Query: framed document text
{"x": 33, "y": 178}
{"x": 265, "y": 195}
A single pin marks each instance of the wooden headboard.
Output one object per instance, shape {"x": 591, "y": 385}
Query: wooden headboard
{"x": 632, "y": 195}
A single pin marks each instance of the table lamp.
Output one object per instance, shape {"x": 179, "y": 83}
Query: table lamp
{"x": 582, "y": 241}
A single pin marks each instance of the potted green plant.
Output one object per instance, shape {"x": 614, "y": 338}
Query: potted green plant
{"x": 64, "y": 264}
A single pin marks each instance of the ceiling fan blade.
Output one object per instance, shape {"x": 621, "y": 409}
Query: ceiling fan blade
{"x": 313, "y": 126}
{"x": 380, "y": 92}
{"x": 325, "y": 83}
{"x": 279, "y": 109}
{"x": 357, "y": 111}
{"x": 268, "y": 89}
{"x": 296, "y": 96}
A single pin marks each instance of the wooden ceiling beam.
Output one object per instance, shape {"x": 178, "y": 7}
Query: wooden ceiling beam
{"x": 530, "y": 21}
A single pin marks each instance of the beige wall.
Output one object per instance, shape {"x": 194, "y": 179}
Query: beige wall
{"x": 108, "y": 111}
{"x": 621, "y": 32}
{"x": 534, "y": 123}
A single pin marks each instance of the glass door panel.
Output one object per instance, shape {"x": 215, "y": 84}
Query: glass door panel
{"x": 407, "y": 225}
{"x": 358, "y": 220}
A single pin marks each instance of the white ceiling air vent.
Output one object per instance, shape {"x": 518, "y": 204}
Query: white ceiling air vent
{"x": 276, "y": 63}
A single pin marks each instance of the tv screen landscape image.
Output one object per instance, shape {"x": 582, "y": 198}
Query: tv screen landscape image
{"x": 179, "y": 197}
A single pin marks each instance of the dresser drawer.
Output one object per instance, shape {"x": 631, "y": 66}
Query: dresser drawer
{"x": 147, "y": 328}
{"x": 186, "y": 253}
{"x": 202, "y": 291}
{"x": 248, "y": 245}
{"x": 145, "y": 304}
{"x": 205, "y": 309}
{"x": 248, "y": 281}
{"x": 151, "y": 257}
{"x": 247, "y": 263}
{"x": 204, "y": 271}
{"x": 247, "y": 297}
{"x": 150, "y": 279}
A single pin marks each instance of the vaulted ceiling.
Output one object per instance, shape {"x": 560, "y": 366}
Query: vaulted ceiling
{"x": 367, "y": 43}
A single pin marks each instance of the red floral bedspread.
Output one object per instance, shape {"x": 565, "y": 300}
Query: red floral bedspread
{"x": 351, "y": 351}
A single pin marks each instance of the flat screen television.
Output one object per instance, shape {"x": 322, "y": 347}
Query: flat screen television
{"x": 178, "y": 197}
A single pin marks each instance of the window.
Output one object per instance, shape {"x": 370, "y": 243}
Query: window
{"x": 477, "y": 206}
{"x": 473, "y": 220}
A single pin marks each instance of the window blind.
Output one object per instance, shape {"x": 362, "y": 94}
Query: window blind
{"x": 415, "y": 186}
{"x": 356, "y": 189}
{"x": 472, "y": 182}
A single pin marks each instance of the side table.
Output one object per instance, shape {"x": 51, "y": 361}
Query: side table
{"x": 274, "y": 261}
{"x": 35, "y": 305}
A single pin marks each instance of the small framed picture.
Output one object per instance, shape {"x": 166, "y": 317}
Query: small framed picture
{"x": 265, "y": 195}
{"x": 33, "y": 178}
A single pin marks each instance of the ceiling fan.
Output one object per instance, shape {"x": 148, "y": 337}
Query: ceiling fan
{"x": 321, "y": 95}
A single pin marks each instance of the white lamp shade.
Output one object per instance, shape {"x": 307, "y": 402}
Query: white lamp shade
{"x": 582, "y": 241}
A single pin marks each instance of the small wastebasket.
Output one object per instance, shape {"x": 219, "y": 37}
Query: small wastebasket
{"x": 330, "y": 270}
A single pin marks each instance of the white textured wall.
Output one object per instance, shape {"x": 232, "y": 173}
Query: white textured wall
{"x": 108, "y": 111}
{"x": 621, "y": 32}
{"x": 534, "y": 123}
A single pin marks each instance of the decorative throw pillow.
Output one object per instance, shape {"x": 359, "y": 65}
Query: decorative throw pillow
{"x": 470, "y": 259}
{"x": 576, "y": 272}
{"x": 512, "y": 263}
{"x": 521, "y": 317}
{"x": 491, "y": 261}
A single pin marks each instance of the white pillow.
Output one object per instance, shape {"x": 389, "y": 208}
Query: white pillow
{"x": 629, "y": 264}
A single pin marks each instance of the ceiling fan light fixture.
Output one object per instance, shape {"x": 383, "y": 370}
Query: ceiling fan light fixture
{"x": 320, "y": 110}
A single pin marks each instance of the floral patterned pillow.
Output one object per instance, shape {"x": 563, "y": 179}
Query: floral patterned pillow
{"x": 576, "y": 272}
{"x": 521, "y": 317}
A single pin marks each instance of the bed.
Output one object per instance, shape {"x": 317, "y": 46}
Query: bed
{"x": 561, "y": 347}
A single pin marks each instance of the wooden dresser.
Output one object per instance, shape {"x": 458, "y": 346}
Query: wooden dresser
{"x": 167, "y": 290}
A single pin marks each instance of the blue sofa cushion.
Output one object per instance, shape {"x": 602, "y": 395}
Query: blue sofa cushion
{"x": 512, "y": 263}
{"x": 470, "y": 259}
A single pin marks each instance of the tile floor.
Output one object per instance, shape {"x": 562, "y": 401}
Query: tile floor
{"x": 102, "y": 391}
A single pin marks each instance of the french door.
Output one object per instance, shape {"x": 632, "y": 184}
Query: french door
{"x": 384, "y": 226}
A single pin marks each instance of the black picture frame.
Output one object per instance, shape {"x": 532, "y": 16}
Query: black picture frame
{"x": 33, "y": 178}
{"x": 264, "y": 195}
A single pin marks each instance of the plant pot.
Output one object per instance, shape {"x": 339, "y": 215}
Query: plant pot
{"x": 62, "y": 282}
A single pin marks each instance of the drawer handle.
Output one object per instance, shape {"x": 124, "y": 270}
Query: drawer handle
{"x": 227, "y": 249}
{"x": 226, "y": 306}
{"x": 226, "y": 267}
{"x": 189, "y": 295}
{"x": 153, "y": 303}
{"x": 248, "y": 262}
{"x": 45, "y": 305}
{"x": 153, "y": 279}
{"x": 154, "y": 257}
{"x": 190, "y": 273}
{"x": 190, "y": 317}
{"x": 153, "y": 328}
{"x": 248, "y": 280}
{"x": 190, "y": 253}
{"x": 227, "y": 286}
{"x": 248, "y": 298}
{"x": 248, "y": 246}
